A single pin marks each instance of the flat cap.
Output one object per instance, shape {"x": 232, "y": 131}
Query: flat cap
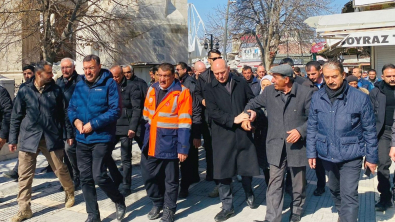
{"x": 284, "y": 70}
{"x": 351, "y": 79}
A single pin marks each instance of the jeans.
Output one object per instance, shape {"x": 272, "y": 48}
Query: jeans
{"x": 92, "y": 159}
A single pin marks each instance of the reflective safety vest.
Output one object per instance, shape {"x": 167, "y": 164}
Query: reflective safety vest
{"x": 169, "y": 124}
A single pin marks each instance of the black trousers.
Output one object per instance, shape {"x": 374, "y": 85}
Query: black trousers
{"x": 320, "y": 174}
{"x": 343, "y": 184}
{"x": 190, "y": 168}
{"x": 208, "y": 148}
{"x": 160, "y": 178}
{"x": 383, "y": 169}
{"x": 126, "y": 159}
{"x": 225, "y": 191}
{"x": 71, "y": 159}
{"x": 92, "y": 159}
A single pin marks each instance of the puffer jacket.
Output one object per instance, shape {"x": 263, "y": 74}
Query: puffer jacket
{"x": 99, "y": 104}
{"x": 343, "y": 131}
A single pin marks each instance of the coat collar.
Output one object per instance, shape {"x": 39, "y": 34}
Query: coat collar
{"x": 293, "y": 92}
{"x": 343, "y": 96}
{"x": 46, "y": 87}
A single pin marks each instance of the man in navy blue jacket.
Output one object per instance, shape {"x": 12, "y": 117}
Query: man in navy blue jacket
{"x": 94, "y": 109}
{"x": 341, "y": 130}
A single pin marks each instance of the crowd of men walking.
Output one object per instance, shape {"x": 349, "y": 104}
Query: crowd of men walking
{"x": 279, "y": 122}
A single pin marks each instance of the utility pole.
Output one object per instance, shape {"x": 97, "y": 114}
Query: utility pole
{"x": 226, "y": 29}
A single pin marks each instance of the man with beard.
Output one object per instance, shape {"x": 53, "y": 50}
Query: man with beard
{"x": 28, "y": 73}
{"x": 39, "y": 116}
{"x": 233, "y": 147}
{"x": 383, "y": 99}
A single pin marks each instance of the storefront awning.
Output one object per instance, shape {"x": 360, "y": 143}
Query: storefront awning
{"x": 377, "y": 38}
{"x": 353, "y": 21}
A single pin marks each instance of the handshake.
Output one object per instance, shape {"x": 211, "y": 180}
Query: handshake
{"x": 245, "y": 118}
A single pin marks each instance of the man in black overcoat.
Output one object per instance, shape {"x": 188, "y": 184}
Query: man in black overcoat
{"x": 287, "y": 106}
{"x": 233, "y": 147}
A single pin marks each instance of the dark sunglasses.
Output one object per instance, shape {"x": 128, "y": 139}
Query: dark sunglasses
{"x": 215, "y": 58}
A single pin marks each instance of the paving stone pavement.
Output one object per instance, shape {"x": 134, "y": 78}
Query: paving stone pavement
{"x": 48, "y": 201}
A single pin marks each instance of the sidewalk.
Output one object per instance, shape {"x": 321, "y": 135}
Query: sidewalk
{"x": 48, "y": 201}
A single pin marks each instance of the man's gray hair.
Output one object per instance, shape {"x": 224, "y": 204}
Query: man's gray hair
{"x": 40, "y": 66}
{"x": 68, "y": 59}
{"x": 130, "y": 66}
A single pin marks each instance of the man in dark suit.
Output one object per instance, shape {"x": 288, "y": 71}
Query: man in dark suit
{"x": 233, "y": 147}
{"x": 287, "y": 106}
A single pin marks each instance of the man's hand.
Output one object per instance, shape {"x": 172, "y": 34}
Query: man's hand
{"x": 87, "y": 128}
{"x": 70, "y": 141}
{"x": 12, "y": 147}
{"x": 204, "y": 102}
{"x": 293, "y": 136}
{"x": 241, "y": 117}
{"x": 246, "y": 125}
{"x": 253, "y": 115}
{"x": 182, "y": 157}
{"x": 372, "y": 166}
{"x": 2, "y": 142}
{"x": 79, "y": 125}
{"x": 392, "y": 153}
{"x": 312, "y": 162}
{"x": 197, "y": 143}
{"x": 131, "y": 134}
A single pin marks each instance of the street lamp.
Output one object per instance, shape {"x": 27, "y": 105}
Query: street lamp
{"x": 226, "y": 29}
{"x": 208, "y": 43}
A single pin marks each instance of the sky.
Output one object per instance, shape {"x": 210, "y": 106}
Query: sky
{"x": 205, "y": 7}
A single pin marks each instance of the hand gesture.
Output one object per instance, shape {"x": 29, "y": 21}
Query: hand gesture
{"x": 392, "y": 154}
{"x": 241, "y": 117}
{"x": 2, "y": 142}
{"x": 372, "y": 166}
{"x": 246, "y": 125}
{"x": 87, "y": 128}
{"x": 197, "y": 143}
{"x": 79, "y": 125}
{"x": 131, "y": 134}
{"x": 253, "y": 115}
{"x": 182, "y": 157}
{"x": 70, "y": 141}
{"x": 312, "y": 162}
{"x": 293, "y": 136}
{"x": 12, "y": 147}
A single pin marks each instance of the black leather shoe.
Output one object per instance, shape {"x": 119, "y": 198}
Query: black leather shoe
{"x": 183, "y": 193}
{"x": 125, "y": 192}
{"x": 154, "y": 213}
{"x": 382, "y": 205}
{"x": 224, "y": 215}
{"x": 251, "y": 201}
{"x": 120, "y": 210}
{"x": 92, "y": 218}
{"x": 168, "y": 215}
{"x": 319, "y": 191}
{"x": 294, "y": 218}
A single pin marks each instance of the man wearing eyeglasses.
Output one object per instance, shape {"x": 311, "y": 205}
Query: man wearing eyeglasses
{"x": 67, "y": 83}
{"x": 205, "y": 78}
{"x": 94, "y": 109}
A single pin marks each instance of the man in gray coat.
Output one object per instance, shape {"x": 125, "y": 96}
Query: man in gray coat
{"x": 287, "y": 106}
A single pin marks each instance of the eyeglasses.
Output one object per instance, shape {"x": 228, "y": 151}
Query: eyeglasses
{"x": 215, "y": 58}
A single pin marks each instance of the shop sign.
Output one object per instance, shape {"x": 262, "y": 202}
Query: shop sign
{"x": 358, "y": 3}
{"x": 378, "y": 38}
